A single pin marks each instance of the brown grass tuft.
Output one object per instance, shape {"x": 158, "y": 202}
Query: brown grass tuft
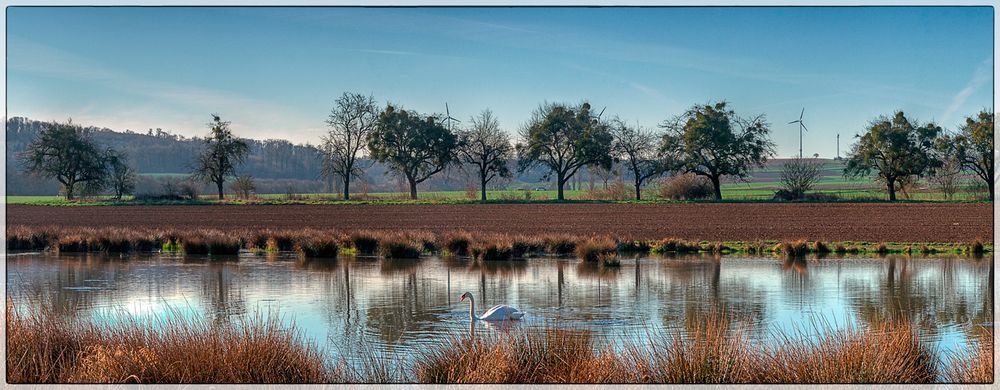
{"x": 974, "y": 365}
{"x": 594, "y": 248}
{"x": 45, "y": 348}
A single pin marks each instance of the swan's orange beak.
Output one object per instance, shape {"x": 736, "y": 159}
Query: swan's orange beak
{"x": 463, "y": 297}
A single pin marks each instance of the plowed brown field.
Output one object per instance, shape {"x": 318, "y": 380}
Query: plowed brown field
{"x": 914, "y": 222}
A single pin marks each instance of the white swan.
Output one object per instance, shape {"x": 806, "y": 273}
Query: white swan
{"x": 495, "y": 313}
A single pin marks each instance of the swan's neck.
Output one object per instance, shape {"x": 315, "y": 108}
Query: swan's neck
{"x": 472, "y": 308}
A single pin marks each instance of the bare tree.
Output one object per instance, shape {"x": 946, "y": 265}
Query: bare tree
{"x": 67, "y": 153}
{"x": 223, "y": 152}
{"x": 244, "y": 186}
{"x": 487, "y": 148}
{"x": 121, "y": 176}
{"x": 351, "y": 120}
{"x": 798, "y": 176}
{"x": 947, "y": 176}
{"x": 640, "y": 153}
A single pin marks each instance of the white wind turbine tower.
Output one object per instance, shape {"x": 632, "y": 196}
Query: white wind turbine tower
{"x": 802, "y": 126}
{"x": 448, "y": 117}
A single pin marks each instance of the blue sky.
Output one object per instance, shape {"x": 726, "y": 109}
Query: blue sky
{"x": 274, "y": 72}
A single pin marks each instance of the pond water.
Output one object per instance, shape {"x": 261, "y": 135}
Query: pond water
{"x": 398, "y": 306}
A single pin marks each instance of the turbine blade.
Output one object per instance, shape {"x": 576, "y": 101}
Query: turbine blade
{"x": 793, "y": 122}
{"x": 802, "y": 113}
{"x": 803, "y": 126}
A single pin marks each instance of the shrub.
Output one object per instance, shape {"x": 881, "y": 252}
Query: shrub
{"x": 685, "y": 187}
{"x": 820, "y": 247}
{"x": 616, "y": 190}
{"x": 797, "y": 177}
{"x": 243, "y": 186}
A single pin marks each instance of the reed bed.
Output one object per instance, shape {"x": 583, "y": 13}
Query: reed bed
{"x": 549, "y": 355}
{"x": 44, "y": 347}
{"x": 711, "y": 350}
{"x": 415, "y": 243}
{"x": 885, "y": 352}
{"x": 974, "y": 365}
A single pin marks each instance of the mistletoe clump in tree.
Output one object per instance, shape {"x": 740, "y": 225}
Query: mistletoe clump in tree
{"x": 563, "y": 139}
{"x": 712, "y": 141}
{"x": 222, "y": 154}
{"x": 412, "y": 145}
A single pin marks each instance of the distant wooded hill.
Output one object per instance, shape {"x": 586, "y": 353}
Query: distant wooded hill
{"x": 278, "y": 165}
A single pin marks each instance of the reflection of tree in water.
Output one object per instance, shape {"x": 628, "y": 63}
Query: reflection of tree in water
{"x": 392, "y": 267}
{"x": 695, "y": 281}
{"x": 495, "y": 279}
{"x": 597, "y": 272}
{"x": 928, "y": 292}
{"x": 796, "y": 283}
{"x": 405, "y": 302}
{"x": 76, "y": 282}
{"x": 221, "y": 301}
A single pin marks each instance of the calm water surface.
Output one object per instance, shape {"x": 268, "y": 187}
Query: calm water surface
{"x": 398, "y": 306}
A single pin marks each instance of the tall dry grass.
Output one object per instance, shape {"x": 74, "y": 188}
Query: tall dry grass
{"x": 712, "y": 349}
{"x": 43, "y": 347}
{"x": 974, "y": 365}
{"x": 595, "y": 248}
{"x": 549, "y": 355}
{"x": 886, "y": 352}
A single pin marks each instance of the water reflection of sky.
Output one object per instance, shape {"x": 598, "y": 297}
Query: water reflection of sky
{"x": 396, "y": 306}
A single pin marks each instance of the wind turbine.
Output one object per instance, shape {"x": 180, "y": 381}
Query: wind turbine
{"x": 802, "y": 126}
{"x": 838, "y": 146}
{"x": 448, "y": 117}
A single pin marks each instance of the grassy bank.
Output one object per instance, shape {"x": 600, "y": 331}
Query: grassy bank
{"x": 413, "y": 244}
{"x": 46, "y": 348}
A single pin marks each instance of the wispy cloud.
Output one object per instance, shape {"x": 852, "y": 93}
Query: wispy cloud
{"x": 643, "y": 88}
{"x": 982, "y": 76}
{"x": 184, "y": 106}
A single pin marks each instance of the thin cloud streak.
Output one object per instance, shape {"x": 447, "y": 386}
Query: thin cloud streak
{"x": 981, "y": 77}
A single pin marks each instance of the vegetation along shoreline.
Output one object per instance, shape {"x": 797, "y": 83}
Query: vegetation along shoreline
{"x": 413, "y": 244}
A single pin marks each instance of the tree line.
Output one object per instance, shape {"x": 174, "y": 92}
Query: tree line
{"x": 707, "y": 140}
